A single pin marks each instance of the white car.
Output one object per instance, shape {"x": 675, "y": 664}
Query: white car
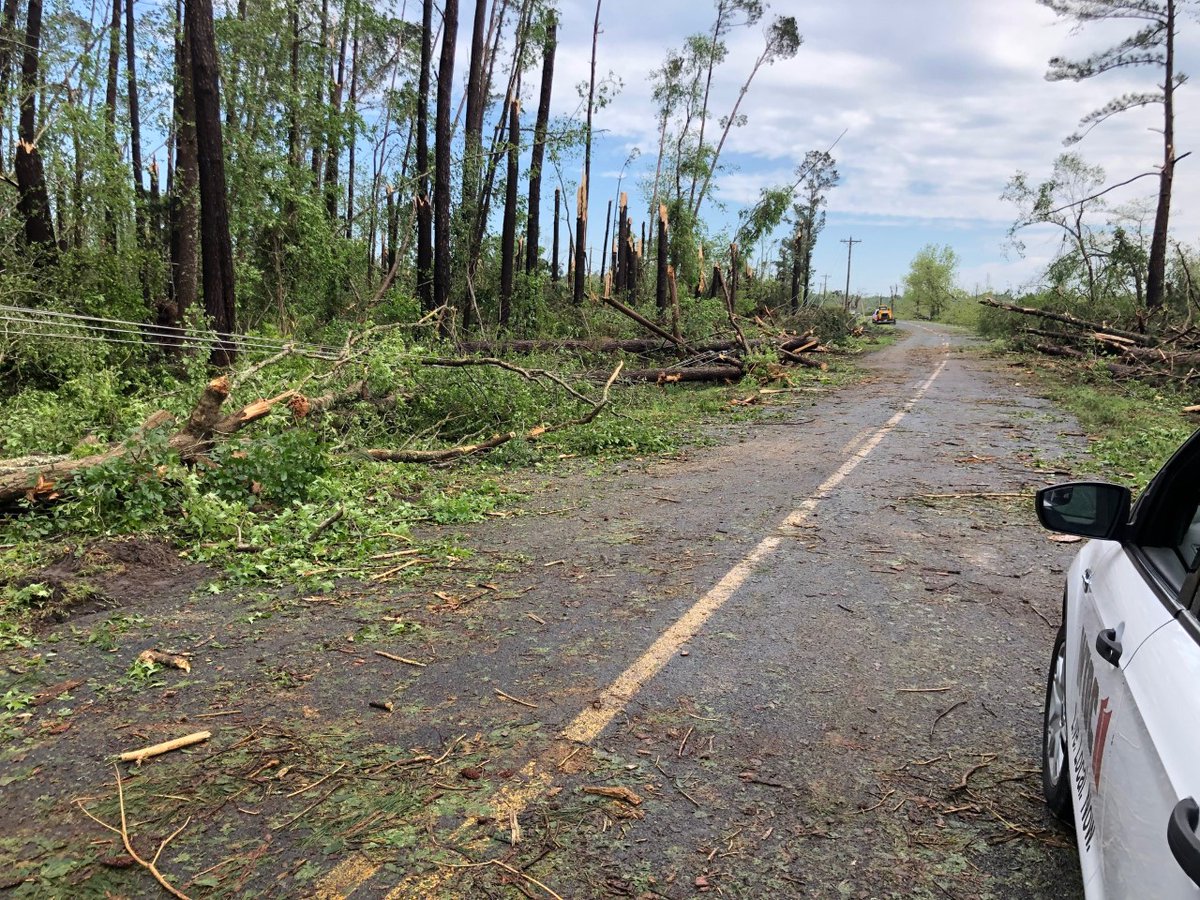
{"x": 1121, "y": 735}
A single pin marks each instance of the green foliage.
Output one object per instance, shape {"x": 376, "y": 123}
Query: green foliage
{"x": 281, "y": 468}
{"x": 929, "y": 286}
{"x": 129, "y": 493}
{"x": 43, "y": 421}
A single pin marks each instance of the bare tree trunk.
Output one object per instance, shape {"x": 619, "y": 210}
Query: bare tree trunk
{"x": 1156, "y": 277}
{"x": 424, "y": 211}
{"x": 473, "y": 136}
{"x": 8, "y": 40}
{"x": 579, "y": 272}
{"x": 33, "y": 199}
{"x": 538, "y": 153}
{"x": 621, "y": 266}
{"x": 660, "y": 284}
{"x": 110, "y": 110}
{"x": 215, "y": 246}
{"x": 333, "y": 152}
{"x": 135, "y": 151}
{"x": 353, "y": 135}
{"x": 604, "y": 244}
{"x": 554, "y": 276}
{"x": 797, "y": 261}
{"x": 441, "y": 187}
{"x": 185, "y": 214}
{"x": 508, "y": 234}
{"x": 322, "y": 62}
{"x": 581, "y": 213}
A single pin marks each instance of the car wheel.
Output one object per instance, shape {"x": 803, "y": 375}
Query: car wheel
{"x": 1056, "y": 768}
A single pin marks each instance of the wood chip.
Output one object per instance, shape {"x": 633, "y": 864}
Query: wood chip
{"x": 157, "y": 657}
{"x": 623, "y": 794}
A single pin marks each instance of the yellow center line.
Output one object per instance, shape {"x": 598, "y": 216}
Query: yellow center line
{"x": 536, "y": 776}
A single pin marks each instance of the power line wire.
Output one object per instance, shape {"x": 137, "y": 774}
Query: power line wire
{"x": 190, "y": 343}
{"x": 169, "y": 330}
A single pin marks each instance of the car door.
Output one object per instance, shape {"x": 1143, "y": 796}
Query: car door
{"x": 1149, "y": 768}
{"x": 1152, "y": 772}
{"x": 1111, "y": 611}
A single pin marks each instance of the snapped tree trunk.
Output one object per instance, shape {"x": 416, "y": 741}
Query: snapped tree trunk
{"x": 33, "y": 198}
{"x": 508, "y": 235}
{"x": 581, "y": 214}
{"x": 660, "y": 284}
{"x": 557, "y": 226}
{"x": 1156, "y": 276}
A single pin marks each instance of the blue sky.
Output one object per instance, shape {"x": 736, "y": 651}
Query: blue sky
{"x": 942, "y": 101}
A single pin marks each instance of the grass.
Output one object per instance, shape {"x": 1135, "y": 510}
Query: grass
{"x": 1133, "y": 428}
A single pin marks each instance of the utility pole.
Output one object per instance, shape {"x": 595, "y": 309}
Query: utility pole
{"x": 824, "y": 288}
{"x": 849, "y": 242}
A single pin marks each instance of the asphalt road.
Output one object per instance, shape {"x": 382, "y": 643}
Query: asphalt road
{"x": 814, "y": 651}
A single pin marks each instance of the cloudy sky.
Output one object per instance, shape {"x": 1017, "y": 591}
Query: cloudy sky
{"x": 941, "y": 101}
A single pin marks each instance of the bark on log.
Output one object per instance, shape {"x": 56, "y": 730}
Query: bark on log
{"x": 798, "y": 359}
{"x": 1059, "y": 350}
{"x": 695, "y": 373}
{"x": 1069, "y": 320}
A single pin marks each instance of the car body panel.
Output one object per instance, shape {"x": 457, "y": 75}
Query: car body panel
{"x": 1132, "y": 654}
{"x": 1151, "y": 766}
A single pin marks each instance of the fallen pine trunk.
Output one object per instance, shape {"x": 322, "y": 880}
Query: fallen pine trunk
{"x": 672, "y": 375}
{"x": 1069, "y": 319}
{"x": 1059, "y": 350}
{"x": 801, "y": 360}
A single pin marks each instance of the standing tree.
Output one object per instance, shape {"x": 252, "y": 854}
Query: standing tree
{"x": 581, "y": 213}
{"x": 441, "y": 145}
{"x": 8, "y": 43}
{"x": 184, "y": 208}
{"x": 783, "y": 42}
{"x": 817, "y": 177}
{"x": 537, "y": 155}
{"x": 508, "y": 233}
{"x": 714, "y": 50}
{"x": 472, "y": 163}
{"x": 929, "y": 283}
{"x": 33, "y": 199}
{"x": 424, "y": 211}
{"x": 1153, "y": 44}
{"x": 216, "y": 249}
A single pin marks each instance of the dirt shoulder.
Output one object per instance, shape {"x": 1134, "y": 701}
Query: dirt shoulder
{"x": 860, "y": 716}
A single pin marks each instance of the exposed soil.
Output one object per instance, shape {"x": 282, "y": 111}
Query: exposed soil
{"x": 861, "y": 718}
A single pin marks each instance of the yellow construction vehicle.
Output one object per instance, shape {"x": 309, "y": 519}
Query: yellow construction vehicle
{"x": 883, "y": 315}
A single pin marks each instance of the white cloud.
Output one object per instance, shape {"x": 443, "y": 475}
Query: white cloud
{"x": 942, "y": 101}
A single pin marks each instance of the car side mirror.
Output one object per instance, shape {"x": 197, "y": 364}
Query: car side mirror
{"x": 1092, "y": 509}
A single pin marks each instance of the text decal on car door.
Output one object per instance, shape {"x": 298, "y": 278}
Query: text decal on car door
{"x": 1096, "y": 717}
{"x": 1096, "y": 714}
